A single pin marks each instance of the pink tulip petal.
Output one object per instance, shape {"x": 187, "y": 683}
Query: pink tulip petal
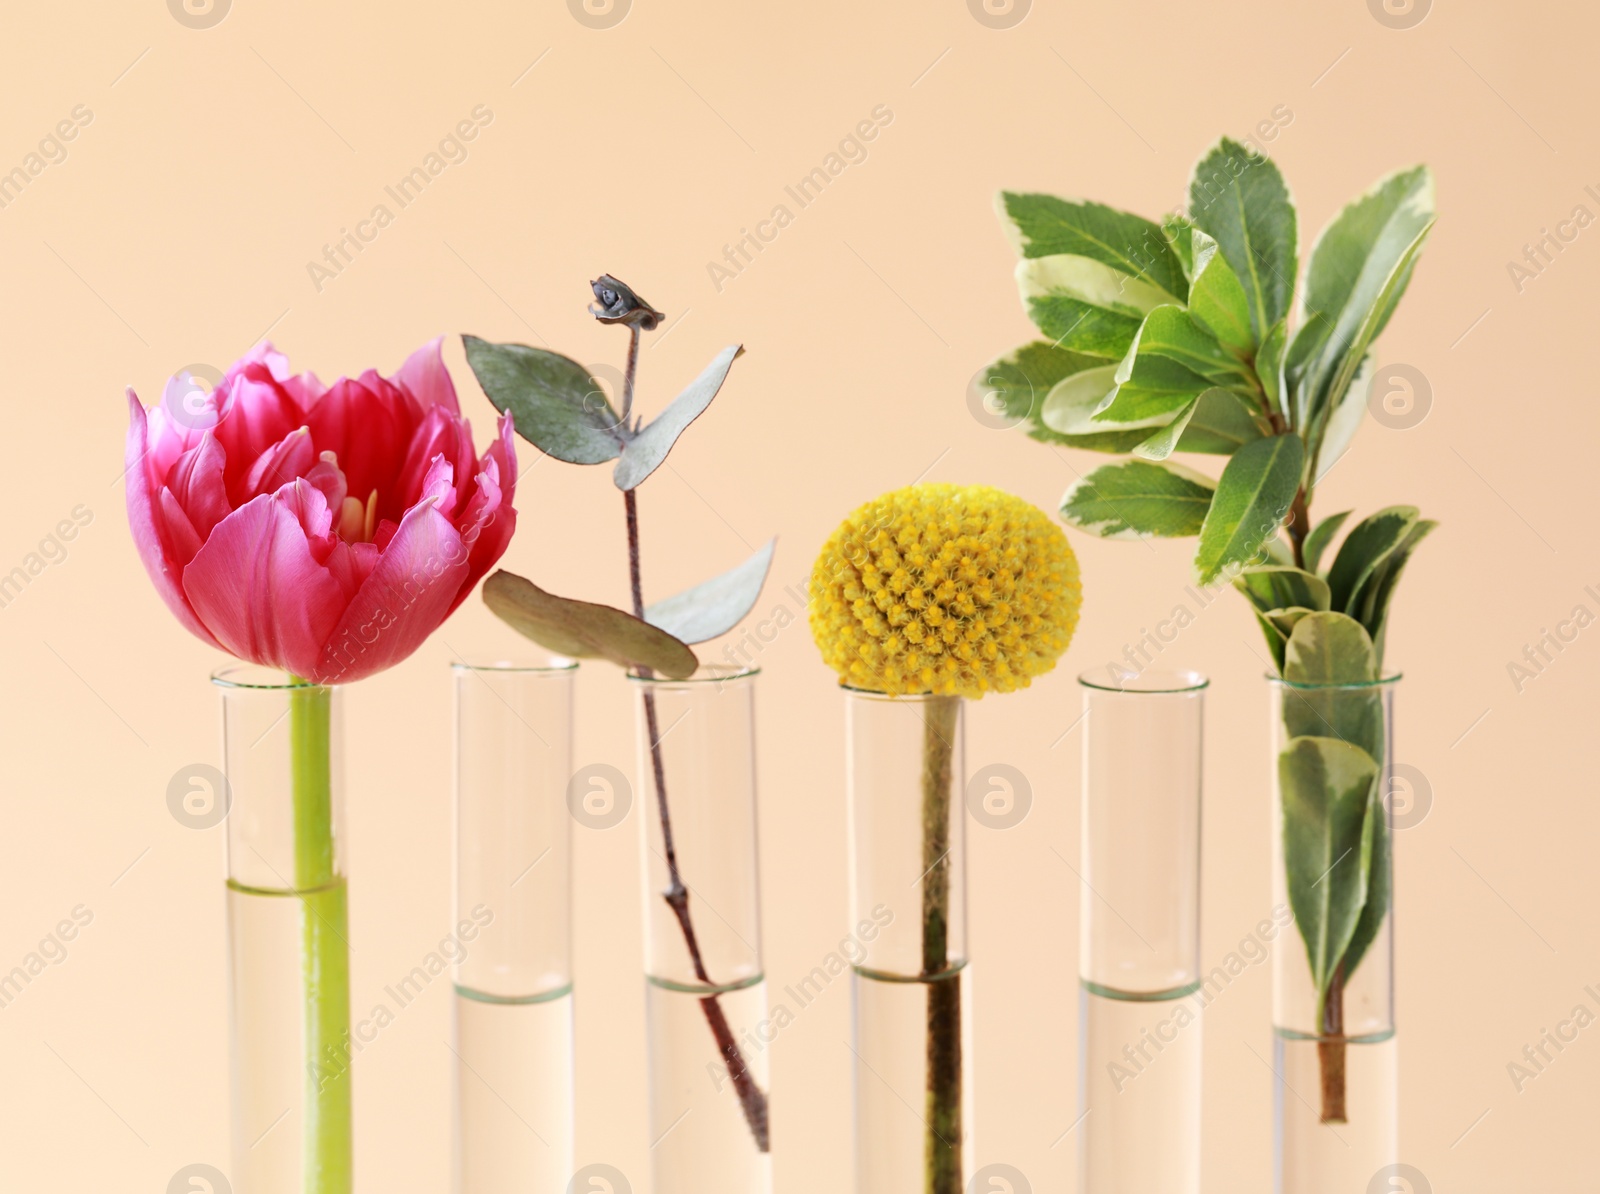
{"x": 264, "y": 354}
{"x": 305, "y": 389}
{"x": 142, "y": 520}
{"x": 489, "y": 520}
{"x": 309, "y": 505}
{"x": 426, "y": 378}
{"x": 179, "y": 539}
{"x": 259, "y": 413}
{"x": 438, "y": 433}
{"x": 351, "y": 563}
{"x": 329, "y": 478}
{"x": 289, "y": 458}
{"x": 256, "y": 584}
{"x": 407, "y": 596}
{"x": 196, "y": 481}
{"x": 439, "y": 485}
{"x": 167, "y": 440}
{"x": 190, "y": 403}
{"x": 273, "y": 580}
{"x": 367, "y": 424}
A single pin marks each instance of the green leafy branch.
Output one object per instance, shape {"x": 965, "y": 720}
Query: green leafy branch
{"x": 1177, "y": 336}
{"x": 556, "y": 406}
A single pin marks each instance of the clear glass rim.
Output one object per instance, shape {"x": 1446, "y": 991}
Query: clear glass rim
{"x": 1155, "y": 682}
{"x": 879, "y": 694}
{"x": 705, "y": 674}
{"x": 557, "y": 665}
{"x": 1388, "y": 681}
{"x": 253, "y": 677}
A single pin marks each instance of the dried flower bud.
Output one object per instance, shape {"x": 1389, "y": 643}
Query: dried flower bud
{"x": 619, "y": 304}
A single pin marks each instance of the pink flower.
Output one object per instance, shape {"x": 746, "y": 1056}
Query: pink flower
{"x": 326, "y": 531}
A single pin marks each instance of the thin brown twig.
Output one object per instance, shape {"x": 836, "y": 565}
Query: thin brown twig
{"x": 751, "y": 1097}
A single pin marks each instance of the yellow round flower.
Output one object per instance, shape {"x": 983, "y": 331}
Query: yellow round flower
{"x": 950, "y": 589}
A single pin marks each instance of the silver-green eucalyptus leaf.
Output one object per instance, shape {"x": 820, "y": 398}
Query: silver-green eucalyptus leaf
{"x": 554, "y": 403}
{"x": 714, "y": 607}
{"x": 648, "y": 447}
{"x": 585, "y": 630}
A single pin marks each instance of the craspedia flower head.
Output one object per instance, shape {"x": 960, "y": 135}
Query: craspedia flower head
{"x": 950, "y": 589}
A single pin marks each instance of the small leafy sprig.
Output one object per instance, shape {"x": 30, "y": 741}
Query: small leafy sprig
{"x": 1177, "y": 336}
{"x": 556, "y": 406}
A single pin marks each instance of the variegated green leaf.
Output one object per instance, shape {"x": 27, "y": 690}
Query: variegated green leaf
{"x": 1326, "y": 787}
{"x": 1364, "y": 548}
{"x": 1138, "y": 498}
{"x": 1238, "y": 197}
{"x": 1320, "y": 538}
{"x": 1276, "y": 586}
{"x": 1371, "y": 602}
{"x": 1253, "y": 495}
{"x": 1217, "y": 299}
{"x": 1221, "y": 424}
{"x": 1045, "y": 225}
{"x": 1358, "y": 269}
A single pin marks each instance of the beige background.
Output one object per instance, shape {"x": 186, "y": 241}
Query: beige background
{"x": 220, "y": 161}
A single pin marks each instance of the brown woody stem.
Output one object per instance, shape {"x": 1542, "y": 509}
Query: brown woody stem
{"x": 752, "y": 1098}
{"x": 943, "y": 1141}
{"x": 1299, "y": 527}
{"x": 1331, "y": 1051}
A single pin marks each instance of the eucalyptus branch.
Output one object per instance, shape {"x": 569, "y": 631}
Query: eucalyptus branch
{"x": 752, "y": 1098}
{"x": 551, "y": 399}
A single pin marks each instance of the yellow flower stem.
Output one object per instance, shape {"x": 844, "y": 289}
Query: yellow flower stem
{"x": 943, "y": 1159}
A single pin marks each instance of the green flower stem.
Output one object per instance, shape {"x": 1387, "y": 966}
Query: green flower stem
{"x": 324, "y": 945}
{"x": 943, "y": 1160}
